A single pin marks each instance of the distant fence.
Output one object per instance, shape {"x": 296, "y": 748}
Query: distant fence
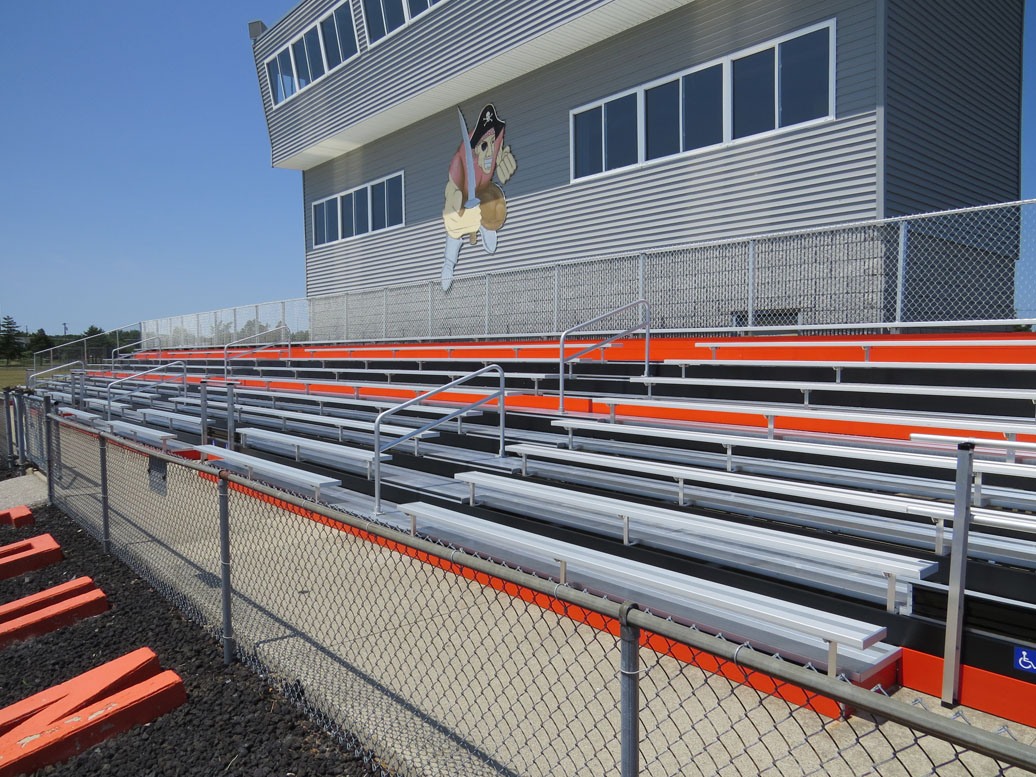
{"x": 969, "y": 265}
{"x": 427, "y": 660}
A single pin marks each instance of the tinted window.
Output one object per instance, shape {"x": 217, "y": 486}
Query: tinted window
{"x": 347, "y": 216}
{"x": 331, "y": 217}
{"x": 287, "y": 76}
{"x": 393, "y": 14}
{"x": 316, "y": 59}
{"x": 346, "y": 31}
{"x": 804, "y": 78}
{"x": 331, "y": 47}
{"x": 375, "y": 19}
{"x": 620, "y": 132}
{"x": 394, "y": 200}
{"x": 753, "y": 94}
{"x": 378, "y": 215}
{"x": 703, "y": 108}
{"x": 587, "y": 138}
{"x": 274, "y": 77}
{"x": 416, "y": 6}
{"x": 360, "y": 221}
{"x": 298, "y": 48}
{"x": 319, "y": 232}
{"x": 662, "y": 120}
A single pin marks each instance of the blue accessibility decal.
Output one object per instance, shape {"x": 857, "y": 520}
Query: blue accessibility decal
{"x": 1025, "y": 659}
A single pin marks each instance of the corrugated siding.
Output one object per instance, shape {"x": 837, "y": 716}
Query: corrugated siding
{"x": 953, "y": 104}
{"x": 447, "y": 41}
{"x": 803, "y": 177}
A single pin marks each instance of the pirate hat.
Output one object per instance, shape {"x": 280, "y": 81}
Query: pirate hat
{"x": 487, "y": 120}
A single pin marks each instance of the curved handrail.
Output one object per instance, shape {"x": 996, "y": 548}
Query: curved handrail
{"x": 130, "y": 345}
{"x": 108, "y": 389}
{"x": 645, "y": 324}
{"x": 226, "y": 348}
{"x": 379, "y": 449}
{"x": 30, "y": 380}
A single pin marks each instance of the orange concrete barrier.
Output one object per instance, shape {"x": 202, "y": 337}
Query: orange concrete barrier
{"x": 65, "y": 720}
{"x": 50, "y": 610}
{"x": 17, "y": 516}
{"x": 28, "y": 555}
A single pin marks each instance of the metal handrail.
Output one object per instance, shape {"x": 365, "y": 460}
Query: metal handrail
{"x": 30, "y": 380}
{"x": 83, "y": 340}
{"x": 108, "y": 389}
{"x": 645, "y": 324}
{"x": 379, "y": 449}
{"x": 226, "y": 348}
{"x": 130, "y": 345}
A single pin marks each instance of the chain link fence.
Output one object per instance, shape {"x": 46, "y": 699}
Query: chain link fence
{"x": 429, "y": 661}
{"x": 975, "y": 264}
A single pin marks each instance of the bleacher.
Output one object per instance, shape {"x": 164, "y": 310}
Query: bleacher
{"x": 766, "y": 490}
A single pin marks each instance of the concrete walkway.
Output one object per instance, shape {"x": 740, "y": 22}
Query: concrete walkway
{"x": 29, "y": 490}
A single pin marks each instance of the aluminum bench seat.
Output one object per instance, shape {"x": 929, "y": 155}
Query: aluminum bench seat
{"x": 303, "y": 449}
{"x": 322, "y": 400}
{"x": 279, "y": 474}
{"x": 138, "y": 433}
{"x": 170, "y": 420}
{"x": 82, "y": 416}
{"x": 866, "y": 345}
{"x": 867, "y": 574}
{"x": 772, "y": 411}
{"x": 809, "y": 387}
{"x": 938, "y": 512}
{"x": 807, "y": 635}
{"x": 840, "y": 366}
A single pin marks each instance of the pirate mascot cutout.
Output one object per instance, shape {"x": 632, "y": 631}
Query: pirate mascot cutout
{"x": 475, "y": 205}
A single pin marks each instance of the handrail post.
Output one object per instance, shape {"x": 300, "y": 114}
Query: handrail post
{"x": 645, "y": 324}
{"x": 231, "y": 421}
{"x": 958, "y": 570}
{"x": 203, "y": 396}
{"x": 499, "y": 395}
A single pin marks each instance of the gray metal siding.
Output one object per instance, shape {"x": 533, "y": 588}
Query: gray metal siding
{"x": 808, "y": 176}
{"x": 448, "y": 40}
{"x": 953, "y": 104}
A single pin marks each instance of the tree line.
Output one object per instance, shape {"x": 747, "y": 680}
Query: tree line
{"x": 14, "y": 343}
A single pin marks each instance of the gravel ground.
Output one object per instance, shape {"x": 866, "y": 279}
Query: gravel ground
{"x": 233, "y": 723}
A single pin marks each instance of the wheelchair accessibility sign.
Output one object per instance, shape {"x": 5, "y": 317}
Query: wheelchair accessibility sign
{"x": 1025, "y": 659}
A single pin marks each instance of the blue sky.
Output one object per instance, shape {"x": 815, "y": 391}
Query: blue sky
{"x": 137, "y": 182}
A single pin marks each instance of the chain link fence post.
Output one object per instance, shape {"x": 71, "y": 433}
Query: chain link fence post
{"x": 106, "y": 537}
{"x": 958, "y": 572}
{"x": 224, "y": 564}
{"x": 48, "y": 434}
{"x": 629, "y": 694}
{"x": 8, "y": 428}
{"x": 19, "y": 427}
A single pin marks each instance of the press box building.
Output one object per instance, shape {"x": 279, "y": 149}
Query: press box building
{"x": 599, "y": 128}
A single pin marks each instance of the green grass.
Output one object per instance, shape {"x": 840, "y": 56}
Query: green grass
{"x": 11, "y": 376}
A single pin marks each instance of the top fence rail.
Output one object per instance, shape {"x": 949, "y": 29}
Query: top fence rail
{"x": 967, "y": 267}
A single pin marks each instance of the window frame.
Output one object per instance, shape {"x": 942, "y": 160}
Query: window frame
{"x": 290, "y": 48}
{"x": 727, "y": 69}
{"x": 367, "y": 188}
{"x": 407, "y": 20}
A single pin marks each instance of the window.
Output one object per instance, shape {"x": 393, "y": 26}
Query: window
{"x": 385, "y": 16}
{"x": 754, "y": 94}
{"x": 308, "y": 58}
{"x": 779, "y": 84}
{"x": 804, "y": 82}
{"x": 339, "y": 36}
{"x": 369, "y": 208}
